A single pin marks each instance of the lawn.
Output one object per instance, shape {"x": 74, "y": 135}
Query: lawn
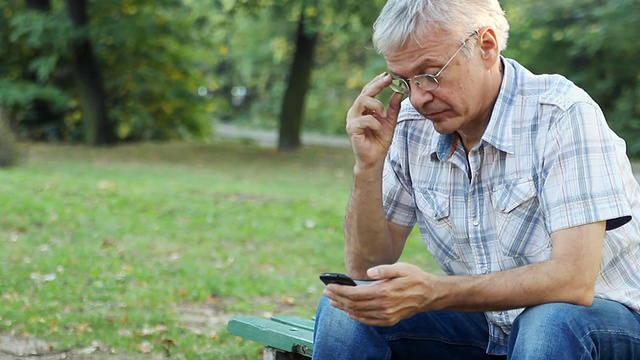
{"x": 146, "y": 250}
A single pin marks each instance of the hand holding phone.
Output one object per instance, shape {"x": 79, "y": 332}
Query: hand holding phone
{"x": 337, "y": 278}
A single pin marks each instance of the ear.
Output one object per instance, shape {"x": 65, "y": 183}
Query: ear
{"x": 489, "y": 48}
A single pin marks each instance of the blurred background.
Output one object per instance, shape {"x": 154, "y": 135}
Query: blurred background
{"x": 146, "y": 249}
{"x": 105, "y": 72}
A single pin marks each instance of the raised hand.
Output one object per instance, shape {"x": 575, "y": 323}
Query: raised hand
{"x": 369, "y": 125}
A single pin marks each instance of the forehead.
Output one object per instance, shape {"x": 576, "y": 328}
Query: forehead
{"x": 418, "y": 54}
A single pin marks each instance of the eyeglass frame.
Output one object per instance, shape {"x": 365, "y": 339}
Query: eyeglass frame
{"x": 433, "y": 77}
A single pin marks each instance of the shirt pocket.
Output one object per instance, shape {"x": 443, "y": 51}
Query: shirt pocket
{"x": 518, "y": 222}
{"x": 437, "y": 227}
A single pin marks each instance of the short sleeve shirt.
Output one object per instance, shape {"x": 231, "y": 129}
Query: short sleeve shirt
{"x": 547, "y": 161}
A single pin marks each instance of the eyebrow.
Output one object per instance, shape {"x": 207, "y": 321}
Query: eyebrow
{"x": 427, "y": 62}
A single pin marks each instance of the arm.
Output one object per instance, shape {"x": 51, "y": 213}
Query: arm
{"x": 369, "y": 239}
{"x": 569, "y": 276}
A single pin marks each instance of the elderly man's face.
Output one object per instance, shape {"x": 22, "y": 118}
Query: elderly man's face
{"x": 461, "y": 99}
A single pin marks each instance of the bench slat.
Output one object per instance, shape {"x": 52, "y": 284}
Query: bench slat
{"x": 298, "y": 322}
{"x": 273, "y": 333}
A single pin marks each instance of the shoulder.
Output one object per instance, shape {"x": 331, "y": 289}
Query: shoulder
{"x": 546, "y": 89}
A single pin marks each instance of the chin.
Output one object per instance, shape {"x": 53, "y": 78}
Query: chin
{"x": 442, "y": 126}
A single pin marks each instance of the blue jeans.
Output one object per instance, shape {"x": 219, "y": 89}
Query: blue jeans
{"x": 605, "y": 330}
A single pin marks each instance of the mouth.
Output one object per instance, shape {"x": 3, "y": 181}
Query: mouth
{"x": 434, "y": 114}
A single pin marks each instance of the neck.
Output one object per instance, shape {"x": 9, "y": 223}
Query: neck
{"x": 472, "y": 134}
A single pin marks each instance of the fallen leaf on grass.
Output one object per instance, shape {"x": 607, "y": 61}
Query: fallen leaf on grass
{"x": 108, "y": 242}
{"x": 43, "y": 278}
{"x": 106, "y": 185}
{"x": 145, "y": 347}
{"x": 211, "y": 299}
{"x": 83, "y": 327}
{"x": 125, "y": 333}
{"x": 223, "y": 264}
{"x": 127, "y": 269}
{"x": 168, "y": 343}
{"x": 154, "y": 330}
{"x": 289, "y": 301}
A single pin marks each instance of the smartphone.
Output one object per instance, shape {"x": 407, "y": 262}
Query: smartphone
{"x": 337, "y": 278}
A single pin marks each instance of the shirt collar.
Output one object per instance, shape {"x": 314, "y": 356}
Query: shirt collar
{"x": 499, "y": 131}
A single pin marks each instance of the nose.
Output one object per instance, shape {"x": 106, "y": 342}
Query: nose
{"x": 419, "y": 97}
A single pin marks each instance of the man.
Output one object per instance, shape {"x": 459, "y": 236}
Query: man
{"x": 521, "y": 192}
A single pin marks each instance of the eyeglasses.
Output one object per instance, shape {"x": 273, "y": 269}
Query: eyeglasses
{"x": 426, "y": 82}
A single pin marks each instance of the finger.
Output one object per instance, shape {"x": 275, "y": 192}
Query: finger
{"x": 376, "y": 85}
{"x": 383, "y": 272}
{"x": 361, "y": 124}
{"x": 365, "y": 105}
{"x": 394, "y": 106}
{"x": 377, "y": 316}
{"x": 350, "y": 293}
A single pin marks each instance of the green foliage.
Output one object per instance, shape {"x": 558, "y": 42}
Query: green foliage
{"x": 21, "y": 93}
{"x": 32, "y": 47}
{"x": 154, "y": 55}
{"x": 150, "y": 53}
{"x": 593, "y": 43}
{"x": 258, "y": 55}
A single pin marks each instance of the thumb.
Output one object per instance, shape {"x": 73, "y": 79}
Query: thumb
{"x": 394, "y": 107}
{"x": 383, "y": 272}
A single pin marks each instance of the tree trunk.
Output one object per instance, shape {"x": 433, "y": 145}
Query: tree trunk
{"x": 98, "y": 129}
{"x": 8, "y": 145}
{"x": 292, "y": 109}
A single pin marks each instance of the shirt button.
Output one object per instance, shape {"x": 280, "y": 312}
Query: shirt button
{"x": 476, "y": 222}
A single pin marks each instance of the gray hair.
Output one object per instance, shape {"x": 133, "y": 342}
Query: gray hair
{"x": 401, "y": 19}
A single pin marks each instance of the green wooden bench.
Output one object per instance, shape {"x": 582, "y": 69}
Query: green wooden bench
{"x": 284, "y": 337}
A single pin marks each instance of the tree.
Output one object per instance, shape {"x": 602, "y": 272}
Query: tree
{"x": 331, "y": 33}
{"x": 152, "y": 56}
{"x": 8, "y": 146}
{"x": 98, "y": 128}
{"x": 37, "y": 70}
{"x": 292, "y": 108}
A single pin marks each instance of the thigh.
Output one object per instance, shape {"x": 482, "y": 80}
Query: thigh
{"x": 430, "y": 335}
{"x": 605, "y": 330}
{"x": 439, "y": 335}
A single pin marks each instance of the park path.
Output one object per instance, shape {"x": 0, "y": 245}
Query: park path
{"x": 270, "y": 137}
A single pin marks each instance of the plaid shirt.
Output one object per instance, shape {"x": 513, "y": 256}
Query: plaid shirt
{"x": 547, "y": 161}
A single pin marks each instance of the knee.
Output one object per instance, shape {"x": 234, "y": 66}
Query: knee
{"x": 544, "y": 331}
{"x": 546, "y": 317}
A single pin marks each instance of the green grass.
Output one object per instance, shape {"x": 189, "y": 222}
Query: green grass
{"x": 117, "y": 245}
